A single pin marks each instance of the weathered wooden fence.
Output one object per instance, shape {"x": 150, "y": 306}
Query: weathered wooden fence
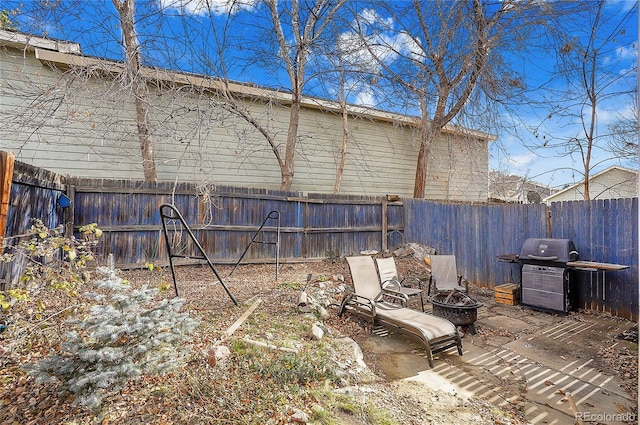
{"x": 313, "y": 227}
{"x": 225, "y": 219}
{"x": 476, "y": 234}
{"x": 603, "y": 231}
{"x": 33, "y": 193}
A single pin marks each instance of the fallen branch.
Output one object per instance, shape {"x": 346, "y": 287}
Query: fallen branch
{"x": 242, "y": 318}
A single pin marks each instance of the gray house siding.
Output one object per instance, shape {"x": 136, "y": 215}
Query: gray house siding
{"x": 83, "y": 124}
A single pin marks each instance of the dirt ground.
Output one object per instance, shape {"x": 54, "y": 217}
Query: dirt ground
{"x": 402, "y": 372}
{"x": 515, "y": 355}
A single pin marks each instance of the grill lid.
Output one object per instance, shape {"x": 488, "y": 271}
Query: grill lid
{"x": 553, "y": 250}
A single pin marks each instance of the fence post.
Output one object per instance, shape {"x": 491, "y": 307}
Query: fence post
{"x": 6, "y": 174}
{"x": 69, "y": 212}
{"x": 385, "y": 224}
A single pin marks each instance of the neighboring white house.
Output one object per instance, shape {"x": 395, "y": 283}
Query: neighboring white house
{"x": 614, "y": 182}
{"x": 515, "y": 189}
{"x": 68, "y": 113}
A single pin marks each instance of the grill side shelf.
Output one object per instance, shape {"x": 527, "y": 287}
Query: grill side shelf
{"x": 593, "y": 265}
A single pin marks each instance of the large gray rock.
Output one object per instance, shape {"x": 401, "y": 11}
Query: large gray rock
{"x": 349, "y": 358}
{"x": 317, "y": 332}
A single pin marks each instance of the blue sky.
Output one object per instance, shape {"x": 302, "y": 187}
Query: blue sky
{"x": 93, "y": 24}
{"x": 548, "y": 165}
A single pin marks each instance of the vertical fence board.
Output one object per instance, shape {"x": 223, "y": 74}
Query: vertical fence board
{"x": 34, "y": 193}
{"x": 226, "y": 220}
{"x": 6, "y": 175}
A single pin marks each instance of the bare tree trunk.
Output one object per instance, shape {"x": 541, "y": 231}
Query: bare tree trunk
{"x": 343, "y": 148}
{"x": 288, "y": 168}
{"x": 428, "y": 132}
{"x": 305, "y": 33}
{"x": 419, "y": 187}
{"x": 138, "y": 86}
{"x": 589, "y": 67}
{"x": 464, "y": 78}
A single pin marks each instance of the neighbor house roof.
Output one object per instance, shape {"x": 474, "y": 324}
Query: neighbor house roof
{"x": 31, "y": 42}
{"x": 513, "y": 188}
{"x": 633, "y": 178}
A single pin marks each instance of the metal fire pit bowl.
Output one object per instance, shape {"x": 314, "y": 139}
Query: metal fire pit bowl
{"x": 457, "y": 307}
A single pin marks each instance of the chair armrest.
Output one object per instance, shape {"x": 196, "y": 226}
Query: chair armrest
{"x": 392, "y": 284}
{"x": 397, "y": 283}
{"x": 411, "y": 281}
{"x": 365, "y": 302}
{"x": 358, "y": 299}
{"x": 403, "y": 298}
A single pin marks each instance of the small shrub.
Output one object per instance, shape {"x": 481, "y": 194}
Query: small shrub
{"x": 124, "y": 335}
{"x": 53, "y": 264}
{"x": 52, "y": 259}
{"x": 287, "y": 369}
{"x": 378, "y": 416}
{"x": 291, "y": 286}
{"x": 12, "y": 296}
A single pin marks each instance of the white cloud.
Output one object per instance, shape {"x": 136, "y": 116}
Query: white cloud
{"x": 353, "y": 50}
{"x": 605, "y": 117}
{"x": 522, "y": 160}
{"x": 371, "y": 17}
{"x": 365, "y": 97}
{"x": 377, "y": 44}
{"x": 627, "y": 53}
{"x": 202, "y": 7}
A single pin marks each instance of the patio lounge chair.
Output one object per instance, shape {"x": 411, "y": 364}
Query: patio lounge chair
{"x": 444, "y": 275}
{"x": 435, "y": 333}
{"x": 390, "y": 279}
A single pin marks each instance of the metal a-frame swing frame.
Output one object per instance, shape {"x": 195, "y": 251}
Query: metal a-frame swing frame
{"x": 273, "y": 215}
{"x": 170, "y": 212}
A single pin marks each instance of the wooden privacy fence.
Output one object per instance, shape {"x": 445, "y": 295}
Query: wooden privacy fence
{"x": 476, "y": 234}
{"x": 603, "y": 231}
{"x": 224, "y": 219}
{"x": 31, "y": 193}
{"x": 6, "y": 174}
{"x": 313, "y": 227}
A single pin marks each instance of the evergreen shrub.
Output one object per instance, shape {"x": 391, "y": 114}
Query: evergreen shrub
{"x": 126, "y": 333}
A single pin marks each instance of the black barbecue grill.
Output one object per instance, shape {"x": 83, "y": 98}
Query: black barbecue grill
{"x": 549, "y": 272}
{"x": 546, "y": 280}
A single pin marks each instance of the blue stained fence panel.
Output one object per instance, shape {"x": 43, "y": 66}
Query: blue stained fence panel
{"x": 603, "y": 231}
{"x": 476, "y": 234}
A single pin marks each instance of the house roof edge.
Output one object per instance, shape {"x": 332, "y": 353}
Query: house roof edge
{"x": 70, "y": 54}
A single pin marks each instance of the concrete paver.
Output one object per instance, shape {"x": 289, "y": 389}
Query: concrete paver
{"x": 536, "y": 362}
